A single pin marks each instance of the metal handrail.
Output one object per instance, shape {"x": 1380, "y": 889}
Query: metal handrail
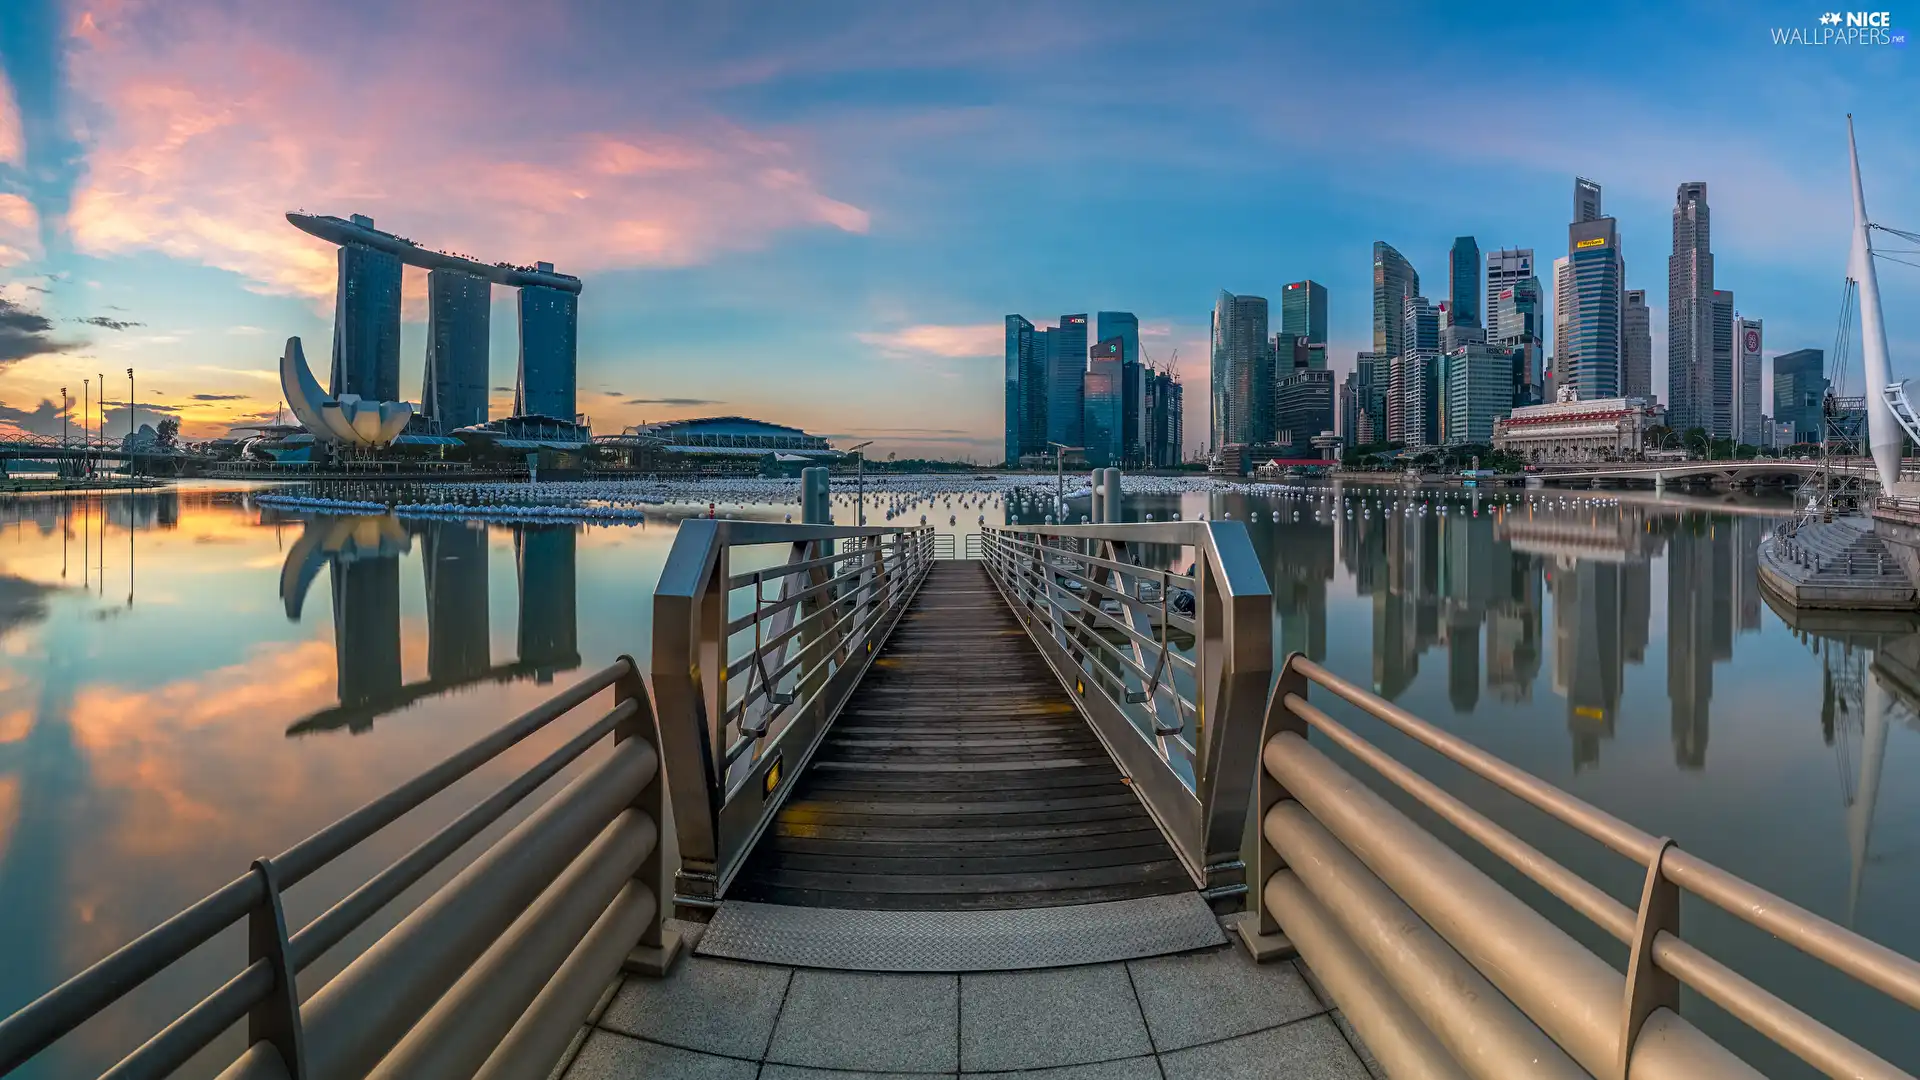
{"x": 1180, "y": 718}
{"x": 402, "y": 1000}
{"x": 1335, "y": 861}
{"x": 802, "y": 650}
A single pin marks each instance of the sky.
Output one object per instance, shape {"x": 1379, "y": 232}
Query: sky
{"x": 820, "y": 214}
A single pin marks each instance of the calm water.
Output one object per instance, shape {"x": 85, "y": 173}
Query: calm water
{"x": 188, "y": 681}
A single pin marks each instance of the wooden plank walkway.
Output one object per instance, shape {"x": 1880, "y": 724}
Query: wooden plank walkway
{"x": 960, "y": 776}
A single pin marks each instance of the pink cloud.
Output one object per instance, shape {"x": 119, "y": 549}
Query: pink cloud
{"x": 12, "y": 143}
{"x": 19, "y": 231}
{"x": 211, "y": 128}
{"x": 952, "y": 342}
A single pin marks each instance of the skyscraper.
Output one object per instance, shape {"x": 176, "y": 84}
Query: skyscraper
{"x": 1517, "y": 329}
{"x": 1166, "y": 426}
{"x": 1066, "y": 370}
{"x": 1303, "y": 311}
{"x": 1587, "y": 354}
{"x": 548, "y": 352}
{"x": 1720, "y": 327}
{"x": 1562, "y": 320}
{"x": 1799, "y": 389}
{"x": 1102, "y": 399}
{"x": 1479, "y": 391}
{"x": 1504, "y": 268}
{"x": 1586, "y": 200}
{"x": 1347, "y": 408}
{"x": 1242, "y": 371}
{"x": 1415, "y": 390}
{"x": 458, "y": 310}
{"x": 366, "y": 322}
{"x": 1691, "y": 400}
{"x": 1302, "y": 408}
{"x": 1463, "y": 282}
{"x": 1393, "y": 281}
{"x": 1746, "y": 367}
{"x": 1636, "y": 346}
{"x": 1026, "y": 416}
{"x": 1133, "y": 432}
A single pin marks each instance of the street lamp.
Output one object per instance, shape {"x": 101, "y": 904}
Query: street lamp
{"x": 130, "y": 422}
{"x": 86, "y": 402}
{"x": 859, "y": 484}
{"x": 1060, "y": 451}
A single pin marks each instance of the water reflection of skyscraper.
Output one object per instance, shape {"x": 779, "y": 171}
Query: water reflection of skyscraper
{"x": 455, "y": 556}
{"x": 1711, "y": 597}
{"x": 549, "y": 638}
{"x": 362, "y": 555}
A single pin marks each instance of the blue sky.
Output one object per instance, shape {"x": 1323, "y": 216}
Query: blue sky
{"x": 819, "y": 214}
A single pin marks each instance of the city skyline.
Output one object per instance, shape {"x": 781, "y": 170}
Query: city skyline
{"x": 813, "y": 222}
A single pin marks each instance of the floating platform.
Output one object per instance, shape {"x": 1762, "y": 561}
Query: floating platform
{"x": 1844, "y": 564}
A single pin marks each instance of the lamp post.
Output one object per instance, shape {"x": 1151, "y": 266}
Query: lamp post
{"x": 86, "y": 402}
{"x": 859, "y": 484}
{"x": 1059, "y": 468}
{"x": 130, "y": 422}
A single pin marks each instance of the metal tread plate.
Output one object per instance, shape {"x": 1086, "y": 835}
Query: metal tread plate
{"x": 952, "y": 941}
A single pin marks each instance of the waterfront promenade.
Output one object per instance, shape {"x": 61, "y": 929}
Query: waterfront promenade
{"x": 935, "y": 816}
{"x": 1190, "y": 1016}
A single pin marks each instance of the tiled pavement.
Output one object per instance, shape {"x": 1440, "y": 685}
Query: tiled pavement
{"x": 1211, "y": 1015}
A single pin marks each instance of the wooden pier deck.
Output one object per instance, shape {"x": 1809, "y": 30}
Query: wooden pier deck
{"x": 960, "y": 777}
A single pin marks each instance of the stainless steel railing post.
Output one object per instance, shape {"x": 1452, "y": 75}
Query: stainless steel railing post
{"x": 275, "y": 1019}
{"x": 654, "y": 951}
{"x": 1648, "y": 987}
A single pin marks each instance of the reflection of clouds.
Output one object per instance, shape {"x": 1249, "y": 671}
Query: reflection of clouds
{"x": 9, "y": 811}
{"x": 21, "y": 602}
{"x": 134, "y": 740}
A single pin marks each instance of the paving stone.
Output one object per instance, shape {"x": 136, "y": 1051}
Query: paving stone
{"x": 1140, "y": 1068}
{"x": 868, "y": 1021}
{"x": 607, "y": 1056}
{"x": 1060, "y": 1016}
{"x": 1204, "y": 997}
{"x": 715, "y": 1006}
{"x": 1312, "y": 1049}
{"x": 794, "y": 1072}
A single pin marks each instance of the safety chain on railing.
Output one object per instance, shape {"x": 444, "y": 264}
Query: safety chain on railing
{"x": 489, "y": 976}
{"x": 1433, "y": 960}
{"x": 1169, "y": 665}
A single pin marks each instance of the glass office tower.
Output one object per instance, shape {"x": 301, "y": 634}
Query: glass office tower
{"x": 458, "y": 315}
{"x": 366, "y": 324}
{"x": 1066, "y": 370}
{"x": 1103, "y": 399}
{"x": 547, "y": 354}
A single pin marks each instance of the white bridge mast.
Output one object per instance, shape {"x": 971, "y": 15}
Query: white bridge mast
{"x": 1883, "y": 431}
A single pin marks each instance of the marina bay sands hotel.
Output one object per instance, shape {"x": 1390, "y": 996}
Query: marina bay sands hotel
{"x": 366, "y": 327}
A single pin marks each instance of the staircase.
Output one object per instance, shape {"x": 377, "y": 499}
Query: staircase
{"x": 1835, "y": 564}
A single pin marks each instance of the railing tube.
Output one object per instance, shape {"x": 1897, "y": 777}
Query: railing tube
{"x": 1486, "y": 1034}
{"x": 462, "y": 1029}
{"x": 1573, "y": 995}
{"x": 1397, "y": 1038}
{"x": 1799, "y": 1034}
{"x": 542, "y": 1033}
{"x": 356, "y": 1018}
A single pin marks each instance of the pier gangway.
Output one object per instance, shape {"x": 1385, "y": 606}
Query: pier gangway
{"x": 925, "y": 814}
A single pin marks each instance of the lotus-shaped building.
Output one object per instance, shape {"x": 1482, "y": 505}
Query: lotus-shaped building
{"x": 348, "y": 419}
